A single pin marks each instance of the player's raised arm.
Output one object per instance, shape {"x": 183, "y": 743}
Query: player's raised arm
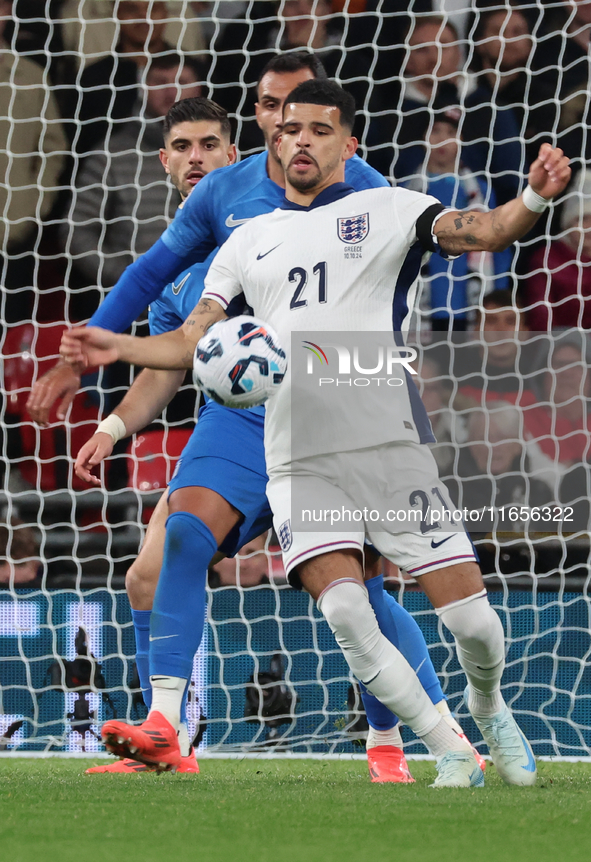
{"x": 457, "y": 232}
{"x": 90, "y": 346}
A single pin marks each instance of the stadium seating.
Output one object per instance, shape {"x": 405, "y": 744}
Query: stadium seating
{"x": 46, "y": 454}
{"x": 154, "y": 456}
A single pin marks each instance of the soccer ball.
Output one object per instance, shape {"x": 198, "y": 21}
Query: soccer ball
{"x": 239, "y": 362}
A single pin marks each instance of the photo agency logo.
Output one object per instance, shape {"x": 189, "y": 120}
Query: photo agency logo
{"x": 343, "y": 384}
{"x": 367, "y": 363}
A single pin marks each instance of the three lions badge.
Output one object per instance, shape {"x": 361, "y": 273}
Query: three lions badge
{"x": 353, "y": 229}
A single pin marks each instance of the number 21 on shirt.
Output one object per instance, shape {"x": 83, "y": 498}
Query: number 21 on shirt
{"x": 299, "y": 277}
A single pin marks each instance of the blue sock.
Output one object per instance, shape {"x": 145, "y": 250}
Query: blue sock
{"x": 185, "y": 701}
{"x": 178, "y": 615}
{"x": 401, "y": 629}
{"x": 141, "y": 627}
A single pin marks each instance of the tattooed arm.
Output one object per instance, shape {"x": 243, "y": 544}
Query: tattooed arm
{"x": 457, "y": 232}
{"x": 92, "y": 346}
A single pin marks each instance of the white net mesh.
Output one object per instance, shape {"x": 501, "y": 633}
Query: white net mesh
{"x": 453, "y": 98}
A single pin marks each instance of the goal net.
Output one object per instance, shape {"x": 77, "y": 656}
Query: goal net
{"x": 454, "y": 98}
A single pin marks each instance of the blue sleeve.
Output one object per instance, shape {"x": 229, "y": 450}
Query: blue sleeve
{"x": 362, "y": 176}
{"x": 162, "y": 319}
{"x": 141, "y": 283}
{"x": 192, "y": 231}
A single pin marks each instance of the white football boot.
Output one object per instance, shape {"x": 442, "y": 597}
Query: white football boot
{"x": 458, "y": 769}
{"x": 509, "y": 749}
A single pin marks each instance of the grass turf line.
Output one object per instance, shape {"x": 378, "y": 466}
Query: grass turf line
{"x": 286, "y": 811}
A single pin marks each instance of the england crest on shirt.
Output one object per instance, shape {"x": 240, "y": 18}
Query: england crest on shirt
{"x": 285, "y": 535}
{"x": 353, "y": 229}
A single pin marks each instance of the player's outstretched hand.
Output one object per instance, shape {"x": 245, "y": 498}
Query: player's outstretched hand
{"x": 91, "y": 454}
{"x": 89, "y": 345}
{"x": 550, "y": 173}
{"x": 61, "y": 381}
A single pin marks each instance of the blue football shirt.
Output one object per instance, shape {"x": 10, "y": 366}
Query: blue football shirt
{"x": 178, "y": 299}
{"x": 174, "y": 305}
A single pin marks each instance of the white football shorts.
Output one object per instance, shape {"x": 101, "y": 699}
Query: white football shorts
{"x": 390, "y": 496}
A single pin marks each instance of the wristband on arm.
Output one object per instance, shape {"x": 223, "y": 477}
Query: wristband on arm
{"x": 114, "y": 426}
{"x": 534, "y": 202}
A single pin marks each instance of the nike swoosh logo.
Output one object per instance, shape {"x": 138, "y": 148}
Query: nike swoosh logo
{"x": 176, "y": 288}
{"x": 435, "y": 544}
{"x": 477, "y": 778}
{"x": 234, "y": 222}
{"x": 162, "y": 637}
{"x": 531, "y": 763}
{"x": 261, "y": 256}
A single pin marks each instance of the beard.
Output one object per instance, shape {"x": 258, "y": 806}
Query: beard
{"x": 180, "y": 185}
{"x": 306, "y": 183}
{"x": 303, "y": 184}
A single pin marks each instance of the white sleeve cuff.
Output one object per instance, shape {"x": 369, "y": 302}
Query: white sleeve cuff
{"x": 209, "y": 294}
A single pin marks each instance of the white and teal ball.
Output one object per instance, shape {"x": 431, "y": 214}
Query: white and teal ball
{"x": 239, "y": 362}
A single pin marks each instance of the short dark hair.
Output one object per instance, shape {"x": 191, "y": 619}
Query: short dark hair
{"x": 294, "y": 61}
{"x": 195, "y": 109}
{"x": 434, "y": 20}
{"x": 478, "y": 21}
{"x": 325, "y": 92}
{"x": 502, "y": 298}
{"x": 172, "y": 60}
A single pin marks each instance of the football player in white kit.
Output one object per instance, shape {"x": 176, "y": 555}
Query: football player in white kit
{"x": 270, "y": 260}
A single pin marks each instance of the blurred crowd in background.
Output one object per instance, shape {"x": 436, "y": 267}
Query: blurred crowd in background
{"x": 453, "y": 98}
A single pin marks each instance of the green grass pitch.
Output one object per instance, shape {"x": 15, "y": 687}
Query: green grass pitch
{"x": 287, "y": 811}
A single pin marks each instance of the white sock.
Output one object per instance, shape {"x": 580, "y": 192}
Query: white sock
{"x": 184, "y": 741}
{"x": 442, "y": 739}
{"x": 484, "y": 705}
{"x": 372, "y": 658}
{"x": 384, "y": 737}
{"x": 443, "y": 710}
{"x": 480, "y": 644}
{"x": 167, "y": 696}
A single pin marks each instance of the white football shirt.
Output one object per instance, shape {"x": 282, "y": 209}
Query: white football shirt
{"x": 349, "y": 264}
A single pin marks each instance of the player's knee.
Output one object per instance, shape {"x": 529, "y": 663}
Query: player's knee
{"x": 140, "y": 585}
{"x": 473, "y": 622}
{"x": 345, "y": 606}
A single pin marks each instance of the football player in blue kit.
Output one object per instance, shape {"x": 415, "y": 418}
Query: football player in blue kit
{"x": 197, "y": 136}
{"x": 215, "y": 502}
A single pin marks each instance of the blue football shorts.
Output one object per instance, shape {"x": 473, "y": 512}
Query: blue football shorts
{"x": 226, "y": 454}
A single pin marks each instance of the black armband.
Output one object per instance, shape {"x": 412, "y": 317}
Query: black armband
{"x": 425, "y": 226}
